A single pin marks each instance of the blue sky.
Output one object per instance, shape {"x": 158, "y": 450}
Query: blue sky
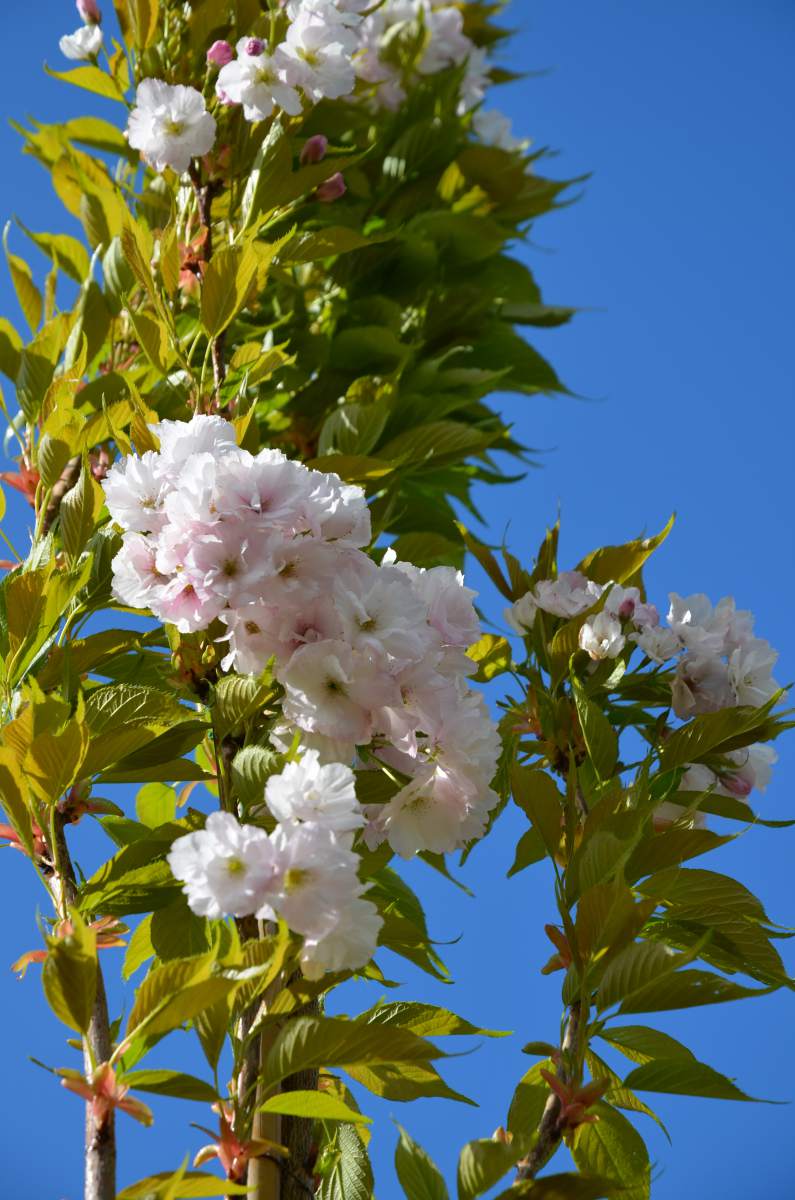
{"x": 680, "y": 253}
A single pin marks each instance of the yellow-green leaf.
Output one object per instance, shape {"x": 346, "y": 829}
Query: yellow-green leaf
{"x": 90, "y": 79}
{"x": 225, "y": 286}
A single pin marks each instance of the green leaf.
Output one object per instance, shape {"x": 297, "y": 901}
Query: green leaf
{"x": 641, "y": 1044}
{"x": 237, "y": 698}
{"x": 90, "y": 79}
{"x": 687, "y": 989}
{"x": 493, "y": 656}
{"x": 79, "y": 510}
{"x": 426, "y": 1020}
{"x": 352, "y": 429}
{"x": 152, "y": 335}
{"x": 172, "y": 1083}
{"x": 614, "y": 1149}
{"x": 617, "y": 564}
{"x": 694, "y": 892}
{"x": 309, "y": 1042}
{"x": 225, "y": 286}
{"x": 405, "y": 1081}
{"x": 54, "y": 761}
{"x": 69, "y": 975}
{"x": 369, "y": 350}
{"x": 483, "y": 1163}
{"x": 530, "y": 849}
{"x": 417, "y": 1173}
{"x": 618, "y": 1094}
{"x": 528, "y": 1102}
{"x": 139, "y": 948}
{"x": 314, "y": 1106}
{"x": 28, "y": 295}
{"x": 670, "y": 847}
{"x": 144, "y": 16}
{"x": 323, "y": 243}
{"x": 155, "y": 804}
{"x": 174, "y": 993}
{"x": 537, "y": 795}
{"x": 16, "y": 799}
{"x": 65, "y": 251}
{"x": 684, "y": 1077}
{"x": 713, "y": 734}
{"x": 194, "y": 1185}
{"x": 177, "y": 932}
{"x": 633, "y": 969}
{"x": 563, "y": 1187}
{"x": 137, "y": 879}
{"x": 350, "y": 1176}
{"x": 601, "y": 741}
{"x": 10, "y": 348}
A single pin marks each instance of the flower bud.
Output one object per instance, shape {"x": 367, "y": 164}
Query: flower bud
{"x": 219, "y": 54}
{"x": 89, "y": 12}
{"x": 738, "y": 785}
{"x": 332, "y": 189}
{"x": 314, "y": 150}
{"x": 255, "y": 46}
{"x": 626, "y": 609}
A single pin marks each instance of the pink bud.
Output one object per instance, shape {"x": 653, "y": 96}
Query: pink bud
{"x": 220, "y": 53}
{"x": 314, "y": 150}
{"x": 626, "y": 609}
{"x": 737, "y": 785}
{"x": 89, "y": 11}
{"x": 332, "y": 189}
{"x": 254, "y": 46}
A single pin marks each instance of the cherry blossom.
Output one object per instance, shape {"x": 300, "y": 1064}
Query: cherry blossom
{"x": 170, "y": 125}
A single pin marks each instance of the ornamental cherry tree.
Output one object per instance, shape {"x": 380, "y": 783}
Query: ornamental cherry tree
{"x": 251, "y": 406}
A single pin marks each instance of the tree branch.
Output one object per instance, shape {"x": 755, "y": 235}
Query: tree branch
{"x": 100, "y": 1137}
{"x": 549, "y": 1129}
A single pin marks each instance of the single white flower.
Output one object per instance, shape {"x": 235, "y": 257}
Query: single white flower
{"x": 135, "y": 492}
{"x": 180, "y": 440}
{"x": 258, "y": 82}
{"x": 320, "y": 58}
{"x": 568, "y": 595}
{"x": 170, "y": 125}
{"x": 701, "y": 685}
{"x": 136, "y": 579}
{"x": 494, "y": 129}
{"x": 82, "y": 45}
{"x": 225, "y": 868}
{"x": 657, "y": 642}
{"x": 602, "y": 637}
{"x": 522, "y": 614}
{"x": 348, "y": 946}
{"x": 307, "y": 791}
{"x": 751, "y": 672}
{"x": 700, "y": 627}
{"x": 316, "y": 880}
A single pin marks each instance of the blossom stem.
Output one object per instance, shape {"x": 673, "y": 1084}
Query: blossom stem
{"x": 204, "y": 199}
{"x": 100, "y": 1136}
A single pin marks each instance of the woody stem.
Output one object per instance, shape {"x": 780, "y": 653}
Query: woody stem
{"x": 100, "y": 1136}
{"x": 550, "y": 1132}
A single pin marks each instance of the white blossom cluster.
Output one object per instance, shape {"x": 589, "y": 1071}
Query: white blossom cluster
{"x": 371, "y": 657}
{"x": 719, "y": 663}
{"x": 304, "y": 872}
{"x": 328, "y": 46}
